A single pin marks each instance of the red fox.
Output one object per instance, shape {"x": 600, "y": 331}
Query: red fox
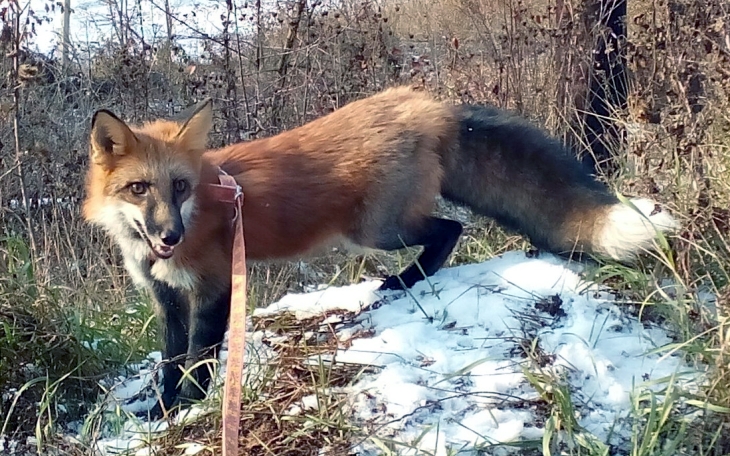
{"x": 368, "y": 173}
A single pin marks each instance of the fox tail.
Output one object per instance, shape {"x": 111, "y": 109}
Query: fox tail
{"x": 509, "y": 170}
{"x": 631, "y": 227}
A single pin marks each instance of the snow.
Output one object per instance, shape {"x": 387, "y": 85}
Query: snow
{"x": 66, "y": 203}
{"x": 447, "y": 359}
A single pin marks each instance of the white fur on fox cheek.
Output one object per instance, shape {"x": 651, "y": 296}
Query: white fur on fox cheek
{"x": 117, "y": 217}
{"x": 133, "y": 215}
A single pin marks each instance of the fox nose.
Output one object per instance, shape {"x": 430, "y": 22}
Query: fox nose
{"x": 170, "y": 237}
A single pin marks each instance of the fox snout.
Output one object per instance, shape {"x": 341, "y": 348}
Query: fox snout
{"x": 164, "y": 222}
{"x": 164, "y": 228}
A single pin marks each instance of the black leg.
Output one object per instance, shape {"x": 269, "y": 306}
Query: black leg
{"x": 172, "y": 316}
{"x": 209, "y": 316}
{"x": 438, "y": 238}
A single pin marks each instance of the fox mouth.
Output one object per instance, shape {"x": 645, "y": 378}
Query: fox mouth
{"x": 161, "y": 251}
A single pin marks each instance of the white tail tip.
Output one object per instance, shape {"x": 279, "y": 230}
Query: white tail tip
{"x": 626, "y": 232}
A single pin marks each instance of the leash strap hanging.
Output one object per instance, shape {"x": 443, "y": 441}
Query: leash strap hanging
{"x": 230, "y": 192}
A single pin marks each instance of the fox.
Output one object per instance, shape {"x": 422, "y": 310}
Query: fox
{"x": 368, "y": 173}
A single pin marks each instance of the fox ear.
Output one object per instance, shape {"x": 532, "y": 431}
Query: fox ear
{"x": 110, "y": 137}
{"x": 193, "y": 134}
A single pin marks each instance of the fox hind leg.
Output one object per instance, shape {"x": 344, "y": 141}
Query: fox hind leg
{"x": 437, "y": 236}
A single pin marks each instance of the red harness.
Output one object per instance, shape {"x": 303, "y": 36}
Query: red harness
{"x": 228, "y": 191}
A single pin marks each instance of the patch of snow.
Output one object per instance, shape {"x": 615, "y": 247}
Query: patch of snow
{"x": 192, "y": 448}
{"x": 456, "y": 367}
{"x": 9, "y": 446}
{"x": 307, "y": 305}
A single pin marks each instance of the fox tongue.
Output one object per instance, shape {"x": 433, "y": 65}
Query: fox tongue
{"x": 163, "y": 251}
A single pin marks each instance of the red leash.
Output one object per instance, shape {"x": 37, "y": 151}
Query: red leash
{"x": 230, "y": 192}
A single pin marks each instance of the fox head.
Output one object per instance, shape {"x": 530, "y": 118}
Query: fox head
{"x": 141, "y": 180}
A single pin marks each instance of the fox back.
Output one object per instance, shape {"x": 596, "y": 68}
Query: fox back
{"x": 360, "y": 174}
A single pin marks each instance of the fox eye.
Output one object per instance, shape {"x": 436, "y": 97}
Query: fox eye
{"x": 180, "y": 186}
{"x": 138, "y": 188}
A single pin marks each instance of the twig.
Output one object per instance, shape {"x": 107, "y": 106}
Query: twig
{"x": 16, "y": 129}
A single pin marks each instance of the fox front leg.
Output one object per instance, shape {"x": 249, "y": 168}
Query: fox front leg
{"x": 172, "y": 316}
{"x": 209, "y": 312}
